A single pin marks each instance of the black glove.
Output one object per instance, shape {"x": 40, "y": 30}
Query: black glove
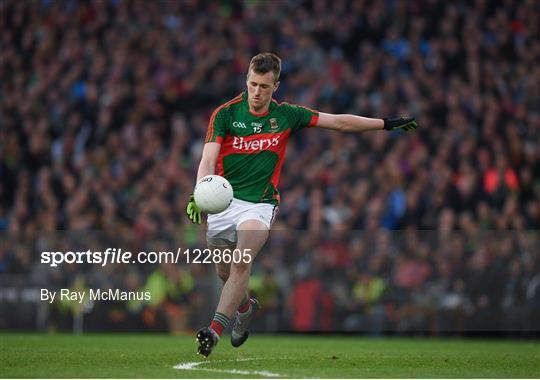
{"x": 408, "y": 124}
{"x": 193, "y": 211}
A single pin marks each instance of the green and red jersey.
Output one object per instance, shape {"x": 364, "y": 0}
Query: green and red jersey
{"x": 253, "y": 145}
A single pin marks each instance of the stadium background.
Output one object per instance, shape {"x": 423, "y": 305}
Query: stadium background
{"x": 104, "y": 105}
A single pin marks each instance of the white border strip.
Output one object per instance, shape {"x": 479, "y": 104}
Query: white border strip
{"x": 194, "y": 366}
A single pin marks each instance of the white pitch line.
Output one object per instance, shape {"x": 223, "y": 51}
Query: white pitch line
{"x": 194, "y": 366}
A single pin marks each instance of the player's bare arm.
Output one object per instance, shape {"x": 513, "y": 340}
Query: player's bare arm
{"x": 349, "y": 123}
{"x": 208, "y": 160}
{"x": 353, "y": 123}
{"x": 206, "y": 167}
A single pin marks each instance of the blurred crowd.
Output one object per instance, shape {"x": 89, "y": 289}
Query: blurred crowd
{"x": 104, "y": 106}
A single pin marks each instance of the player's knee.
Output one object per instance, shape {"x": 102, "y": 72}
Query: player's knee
{"x": 223, "y": 274}
{"x": 241, "y": 269}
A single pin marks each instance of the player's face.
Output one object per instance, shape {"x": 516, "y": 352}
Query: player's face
{"x": 260, "y": 89}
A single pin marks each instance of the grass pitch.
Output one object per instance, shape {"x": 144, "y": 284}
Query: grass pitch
{"x": 154, "y": 356}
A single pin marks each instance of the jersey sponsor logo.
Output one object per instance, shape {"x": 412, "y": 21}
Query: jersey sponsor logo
{"x": 261, "y": 144}
{"x": 239, "y": 124}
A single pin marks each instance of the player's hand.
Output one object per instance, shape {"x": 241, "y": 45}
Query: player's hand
{"x": 193, "y": 211}
{"x": 408, "y": 124}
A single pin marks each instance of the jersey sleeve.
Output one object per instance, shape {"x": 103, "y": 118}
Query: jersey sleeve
{"x": 217, "y": 126}
{"x": 303, "y": 117}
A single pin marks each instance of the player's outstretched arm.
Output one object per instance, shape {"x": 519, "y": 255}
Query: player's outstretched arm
{"x": 353, "y": 123}
{"x": 206, "y": 167}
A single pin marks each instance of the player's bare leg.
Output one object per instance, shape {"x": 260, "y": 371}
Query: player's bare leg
{"x": 248, "y": 307}
{"x": 223, "y": 271}
{"x": 252, "y": 236}
{"x": 207, "y": 337}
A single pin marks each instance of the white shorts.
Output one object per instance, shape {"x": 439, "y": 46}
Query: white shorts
{"x": 222, "y": 227}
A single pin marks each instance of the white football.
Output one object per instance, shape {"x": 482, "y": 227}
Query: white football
{"x": 213, "y": 194}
